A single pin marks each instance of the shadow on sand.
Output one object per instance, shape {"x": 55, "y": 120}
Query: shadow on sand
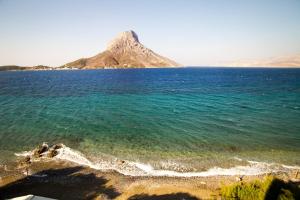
{"x": 283, "y": 190}
{"x": 63, "y": 183}
{"x": 174, "y": 196}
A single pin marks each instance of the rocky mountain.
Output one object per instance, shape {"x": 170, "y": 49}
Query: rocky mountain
{"x": 125, "y": 51}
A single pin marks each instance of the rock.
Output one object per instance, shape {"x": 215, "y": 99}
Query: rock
{"x": 27, "y": 159}
{"x": 53, "y": 150}
{"x": 44, "y": 149}
{"x": 57, "y": 146}
{"x": 121, "y": 162}
{"x": 52, "y": 153}
{"x": 125, "y": 51}
{"x": 40, "y": 150}
{"x": 24, "y": 162}
{"x": 36, "y": 154}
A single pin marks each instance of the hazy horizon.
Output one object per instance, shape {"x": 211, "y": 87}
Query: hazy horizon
{"x": 193, "y": 33}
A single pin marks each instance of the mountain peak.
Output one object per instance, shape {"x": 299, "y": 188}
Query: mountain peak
{"x": 123, "y": 39}
{"x": 125, "y": 51}
{"x": 129, "y": 35}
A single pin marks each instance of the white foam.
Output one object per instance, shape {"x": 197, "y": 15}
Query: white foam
{"x": 24, "y": 154}
{"x": 66, "y": 153}
{"x": 142, "y": 169}
{"x": 291, "y": 167}
{"x": 252, "y": 169}
{"x": 237, "y": 158}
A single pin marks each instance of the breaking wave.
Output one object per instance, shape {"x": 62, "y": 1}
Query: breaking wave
{"x": 140, "y": 169}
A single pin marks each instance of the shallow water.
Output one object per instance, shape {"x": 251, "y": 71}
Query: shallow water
{"x": 189, "y": 119}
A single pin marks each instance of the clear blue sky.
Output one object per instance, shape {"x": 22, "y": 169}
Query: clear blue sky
{"x": 192, "y": 32}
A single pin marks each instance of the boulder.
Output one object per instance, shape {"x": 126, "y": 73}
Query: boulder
{"x": 40, "y": 150}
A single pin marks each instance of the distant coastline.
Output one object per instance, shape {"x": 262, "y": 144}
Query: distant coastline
{"x": 21, "y": 68}
{"x": 48, "y": 68}
{"x": 125, "y": 51}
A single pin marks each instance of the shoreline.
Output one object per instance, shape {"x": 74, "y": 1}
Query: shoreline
{"x": 52, "y": 177}
{"x": 58, "y": 175}
{"x": 60, "y": 152}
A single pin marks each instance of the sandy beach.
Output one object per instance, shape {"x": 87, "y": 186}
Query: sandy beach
{"x": 65, "y": 180}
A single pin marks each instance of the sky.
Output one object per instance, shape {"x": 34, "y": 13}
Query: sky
{"x": 191, "y": 32}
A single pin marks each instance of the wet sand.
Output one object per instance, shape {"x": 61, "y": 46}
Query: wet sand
{"x": 65, "y": 180}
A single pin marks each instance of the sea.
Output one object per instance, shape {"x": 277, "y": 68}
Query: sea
{"x": 156, "y": 122}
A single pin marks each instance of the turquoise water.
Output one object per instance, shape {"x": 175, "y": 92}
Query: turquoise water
{"x": 189, "y": 119}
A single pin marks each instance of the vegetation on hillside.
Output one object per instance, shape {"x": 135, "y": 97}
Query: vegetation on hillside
{"x": 268, "y": 188}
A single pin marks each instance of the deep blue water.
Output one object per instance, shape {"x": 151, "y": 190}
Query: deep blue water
{"x": 194, "y": 117}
